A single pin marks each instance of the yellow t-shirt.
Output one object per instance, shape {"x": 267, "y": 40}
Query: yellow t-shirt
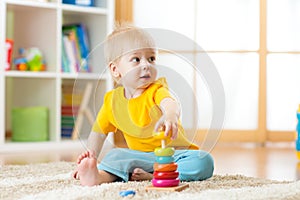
{"x": 136, "y": 117}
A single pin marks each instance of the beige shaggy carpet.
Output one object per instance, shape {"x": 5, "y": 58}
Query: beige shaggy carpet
{"x": 53, "y": 181}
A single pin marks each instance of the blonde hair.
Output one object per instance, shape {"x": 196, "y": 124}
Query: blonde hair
{"x": 126, "y": 38}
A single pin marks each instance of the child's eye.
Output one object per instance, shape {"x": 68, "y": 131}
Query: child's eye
{"x": 135, "y": 59}
{"x": 152, "y": 59}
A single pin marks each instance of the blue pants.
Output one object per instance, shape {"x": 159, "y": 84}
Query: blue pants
{"x": 193, "y": 165}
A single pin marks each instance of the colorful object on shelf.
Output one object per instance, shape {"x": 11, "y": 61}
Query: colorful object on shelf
{"x": 298, "y": 134}
{"x": 9, "y": 48}
{"x": 80, "y": 2}
{"x": 30, "y": 59}
{"x": 21, "y": 61}
{"x": 70, "y": 103}
{"x": 35, "y": 59}
{"x": 165, "y": 174}
{"x": 75, "y": 48}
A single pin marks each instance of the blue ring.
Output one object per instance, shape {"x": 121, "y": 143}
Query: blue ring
{"x": 164, "y": 159}
{"x": 127, "y": 192}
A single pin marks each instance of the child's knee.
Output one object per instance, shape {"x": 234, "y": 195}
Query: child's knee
{"x": 204, "y": 166}
{"x": 116, "y": 153}
{"x": 198, "y": 167}
{"x": 208, "y": 166}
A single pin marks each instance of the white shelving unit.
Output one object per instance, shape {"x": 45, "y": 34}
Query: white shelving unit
{"x": 31, "y": 23}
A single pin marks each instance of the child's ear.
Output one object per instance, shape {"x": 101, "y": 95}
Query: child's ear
{"x": 114, "y": 70}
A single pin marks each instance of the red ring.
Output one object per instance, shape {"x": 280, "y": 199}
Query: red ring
{"x": 165, "y": 175}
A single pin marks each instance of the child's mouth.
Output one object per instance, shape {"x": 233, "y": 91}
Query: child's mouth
{"x": 146, "y": 76}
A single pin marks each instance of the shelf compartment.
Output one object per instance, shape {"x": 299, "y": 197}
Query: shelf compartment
{"x": 72, "y": 94}
{"x": 28, "y": 25}
{"x": 29, "y": 92}
{"x": 96, "y": 32}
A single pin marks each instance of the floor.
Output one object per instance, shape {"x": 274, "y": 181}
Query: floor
{"x": 272, "y": 161}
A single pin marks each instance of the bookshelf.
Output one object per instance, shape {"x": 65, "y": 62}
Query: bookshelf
{"x": 35, "y": 23}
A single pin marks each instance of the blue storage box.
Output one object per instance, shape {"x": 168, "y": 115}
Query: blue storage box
{"x": 80, "y": 2}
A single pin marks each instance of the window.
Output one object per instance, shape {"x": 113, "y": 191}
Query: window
{"x": 257, "y": 54}
{"x": 283, "y": 64}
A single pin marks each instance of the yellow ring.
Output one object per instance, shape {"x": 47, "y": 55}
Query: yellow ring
{"x": 160, "y": 135}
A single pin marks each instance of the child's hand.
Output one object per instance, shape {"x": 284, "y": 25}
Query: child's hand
{"x": 169, "y": 120}
{"x": 168, "y": 123}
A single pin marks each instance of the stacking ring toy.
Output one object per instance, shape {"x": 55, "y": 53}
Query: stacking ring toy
{"x": 170, "y": 167}
{"x": 169, "y": 151}
{"x": 164, "y": 159}
{"x": 165, "y": 175}
{"x": 165, "y": 183}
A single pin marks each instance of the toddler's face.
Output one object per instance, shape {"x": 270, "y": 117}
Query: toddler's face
{"x": 137, "y": 68}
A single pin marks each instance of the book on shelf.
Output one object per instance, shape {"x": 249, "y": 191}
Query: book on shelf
{"x": 68, "y": 118}
{"x": 80, "y": 2}
{"x": 69, "y": 109}
{"x": 75, "y": 48}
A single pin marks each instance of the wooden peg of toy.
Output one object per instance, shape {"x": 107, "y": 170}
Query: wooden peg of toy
{"x": 163, "y": 144}
{"x": 161, "y": 135}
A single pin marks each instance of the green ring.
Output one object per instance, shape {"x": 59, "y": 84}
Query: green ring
{"x": 169, "y": 151}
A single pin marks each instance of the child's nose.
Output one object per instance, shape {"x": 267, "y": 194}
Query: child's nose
{"x": 145, "y": 64}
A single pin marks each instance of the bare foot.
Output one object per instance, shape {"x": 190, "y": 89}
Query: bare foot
{"x": 88, "y": 172}
{"x": 75, "y": 175}
{"x": 140, "y": 175}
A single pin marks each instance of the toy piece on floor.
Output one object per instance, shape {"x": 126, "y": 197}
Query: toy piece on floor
{"x": 298, "y": 134}
{"x": 30, "y": 59}
{"x": 127, "y": 193}
{"x": 165, "y": 176}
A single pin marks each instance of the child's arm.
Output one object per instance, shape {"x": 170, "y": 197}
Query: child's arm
{"x": 169, "y": 120}
{"x": 95, "y": 142}
{"x": 94, "y": 145}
